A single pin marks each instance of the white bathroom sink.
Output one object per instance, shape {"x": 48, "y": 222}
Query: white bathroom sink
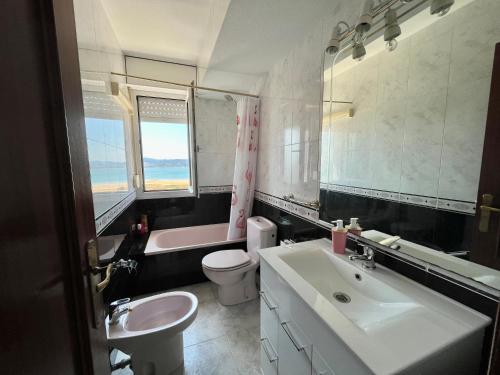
{"x": 391, "y": 322}
{"x": 371, "y": 303}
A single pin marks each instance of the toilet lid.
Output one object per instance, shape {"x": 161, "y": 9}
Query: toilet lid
{"x": 226, "y": 259}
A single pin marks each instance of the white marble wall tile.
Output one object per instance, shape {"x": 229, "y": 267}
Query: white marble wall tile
{"x": 420, "y": 169}
{"x": 429, "y": 70}
{"x": 393, "y": 74}
{"x": 216, "y": 132}
{"x": 325, "y": 152}
{"x": 385, "y": 168}
{"x": 365, "y": 84}
{"x": 425, "y": 116}
{"x": 474, "y": 37}
{"x": 264, "y": 169}
{"x": 306, "y": 121}
{"x": 463, "y": 140}
{"x": 206, "y": 134}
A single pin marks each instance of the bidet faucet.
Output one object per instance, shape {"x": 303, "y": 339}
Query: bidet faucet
{"x": 368, "y": 258}
{"x": 119, "y": 311}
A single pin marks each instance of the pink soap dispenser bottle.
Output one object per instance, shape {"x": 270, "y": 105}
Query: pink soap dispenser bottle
{"x": 339, "y": 237}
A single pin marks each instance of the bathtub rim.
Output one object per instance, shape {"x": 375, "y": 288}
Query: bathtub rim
{"x": 152, "y": 249}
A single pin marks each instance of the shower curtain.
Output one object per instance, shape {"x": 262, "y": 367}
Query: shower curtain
{"x": 247, "y": 120}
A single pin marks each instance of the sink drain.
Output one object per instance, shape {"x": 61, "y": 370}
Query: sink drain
{"x": 342, "y": 297}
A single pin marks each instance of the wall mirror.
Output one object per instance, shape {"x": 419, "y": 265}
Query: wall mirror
{"x": 403, "y": 134}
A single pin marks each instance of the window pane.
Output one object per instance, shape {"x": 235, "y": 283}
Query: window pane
{"x": 106, "y": 149}
{"x": 165, "y": 144}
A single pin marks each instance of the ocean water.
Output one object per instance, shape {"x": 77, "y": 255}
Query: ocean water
{"x": 166, "y": 173}
{"x": 119, "y": 174}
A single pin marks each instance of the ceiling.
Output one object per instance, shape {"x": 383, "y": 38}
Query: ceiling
{"x": 241, "y": 37}
{"x": 174, "y": 30}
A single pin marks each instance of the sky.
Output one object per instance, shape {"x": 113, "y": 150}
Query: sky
{"x": 164, "y": 141}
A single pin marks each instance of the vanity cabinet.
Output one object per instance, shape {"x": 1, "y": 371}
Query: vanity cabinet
{"x": 303, "y": 344}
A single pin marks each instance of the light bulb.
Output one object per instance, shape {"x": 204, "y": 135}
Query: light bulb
{"x": 358, "y": 51}
{"x": 391, "y": 45}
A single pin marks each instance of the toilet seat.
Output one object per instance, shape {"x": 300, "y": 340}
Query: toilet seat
{"x": 226, "y": 260}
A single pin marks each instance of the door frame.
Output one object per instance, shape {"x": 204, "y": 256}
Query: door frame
{"x": 73, "y": 172}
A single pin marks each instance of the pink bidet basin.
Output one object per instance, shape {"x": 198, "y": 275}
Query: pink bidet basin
{"x": 151, "y": 332}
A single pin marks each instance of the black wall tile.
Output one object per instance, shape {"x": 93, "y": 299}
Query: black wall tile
{"x": 436, "y": 229}
{"x": 289, "y": 226}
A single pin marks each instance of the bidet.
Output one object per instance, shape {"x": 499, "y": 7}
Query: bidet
{"x": 150, "y": 330}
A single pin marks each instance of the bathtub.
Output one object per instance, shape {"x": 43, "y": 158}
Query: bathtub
{"x": 202, "y": 236}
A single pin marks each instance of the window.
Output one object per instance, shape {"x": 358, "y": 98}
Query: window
{"x": 166, "y": 146}
{"x": 106, "y": 144}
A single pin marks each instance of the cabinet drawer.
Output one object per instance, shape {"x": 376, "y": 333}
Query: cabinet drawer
{"x": 319, "y": 366}
{"x": 268, "y": 357}
{"x": 269, "y": 320}
{"x": 294, "y": 351}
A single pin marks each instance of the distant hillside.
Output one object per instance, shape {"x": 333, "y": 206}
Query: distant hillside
{"x": 150, "y": 162}
{"x": 106, "y": 164}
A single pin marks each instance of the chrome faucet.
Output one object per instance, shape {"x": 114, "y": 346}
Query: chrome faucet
{"x": 368, "y": 258}
{"x": 117, "y": 313}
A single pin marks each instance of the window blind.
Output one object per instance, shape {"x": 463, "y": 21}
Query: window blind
{"x": 100, "y": 105}
{"x": 162, "y": 110}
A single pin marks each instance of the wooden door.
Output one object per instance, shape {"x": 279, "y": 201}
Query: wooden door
{"x": 486, "y": 241}
{"x": 46, "y": 215}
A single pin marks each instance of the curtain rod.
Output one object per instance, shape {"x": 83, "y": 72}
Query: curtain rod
{"x": 184, "y": 85}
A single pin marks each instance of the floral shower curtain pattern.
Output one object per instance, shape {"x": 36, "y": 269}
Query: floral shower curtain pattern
{"x": 245, "y": 164}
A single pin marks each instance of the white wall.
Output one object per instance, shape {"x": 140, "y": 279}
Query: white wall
{"x": 216, "y": 137}
{"x": 290, "y": 113}
{"x": 98, "y": 46}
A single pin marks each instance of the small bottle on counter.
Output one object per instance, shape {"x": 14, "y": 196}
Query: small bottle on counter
{"x": 144, "y": 223}
{"x": 354, "y": 227}
{"x": 339, "y": 237}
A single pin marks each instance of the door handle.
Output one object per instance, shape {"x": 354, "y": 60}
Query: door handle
{"x": 485, "y": 212}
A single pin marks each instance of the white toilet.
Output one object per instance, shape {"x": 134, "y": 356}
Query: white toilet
{"x": 234, "y": 270}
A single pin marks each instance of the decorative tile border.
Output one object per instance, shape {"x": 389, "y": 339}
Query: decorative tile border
{"x": 313, "y": 216}
{"x": 293, "y": 208}
{"x": 417, "y": 200}
{"x": 106, "y": 218}
{"x": 215, "y": 189}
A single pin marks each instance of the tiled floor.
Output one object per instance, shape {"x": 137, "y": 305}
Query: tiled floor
{"x": 222, "y": 339}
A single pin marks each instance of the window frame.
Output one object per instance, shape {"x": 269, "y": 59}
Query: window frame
{"x": 139, "y": 165}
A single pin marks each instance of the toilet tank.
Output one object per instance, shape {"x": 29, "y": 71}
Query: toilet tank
{"x": 261, "y": 233}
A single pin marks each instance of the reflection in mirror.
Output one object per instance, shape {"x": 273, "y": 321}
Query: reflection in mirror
{"x": 408, "y": 162}
{"x": 106, "y": 144}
